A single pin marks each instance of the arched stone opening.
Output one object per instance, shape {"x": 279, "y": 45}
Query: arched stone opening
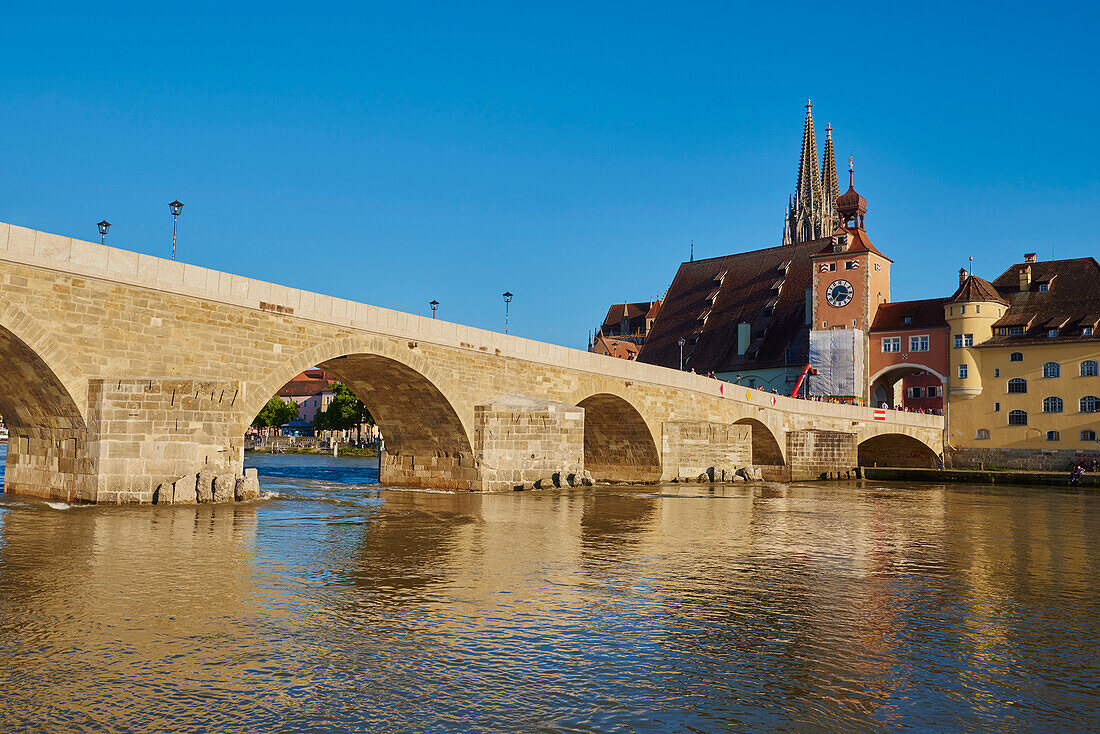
{"x": 426, "y": 444}
{"x": 47, "y": 443}
{"x": 897, "y": 450}
{"x": 765, "y": 448}
{"x": 886, "y": 383}
{"x": 618, "y": 445}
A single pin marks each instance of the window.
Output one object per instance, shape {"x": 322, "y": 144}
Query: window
{"x": 832, "y": 267}
{"x": 958, "y": 341}
{"x": 1043, "y": 289}
{"x": 1002, "y": 331}
{"x": 996, "y": 407}
{"x": 752, "y": 382}
{"x": 1052, "y": 405}
{"x": 1016, "y": 357}
{"x": 1017, "y": 385}
{"x": 1087, "y": 331}
{"x": 918, "y": 344}
{"x": 962, "y": 309}
{"x": 983, "y": 434}
{"x": 1088, "y": 368}
{"x": 914, "y": 392}
{"x": 1052, "y": 369}
{"x": 1088, "y": 435}
{"x": 1053, "y": 436}
{"x": 977, "y": 308}
{"x": 962, "y": 371}
{"x": 931, "y": 391}
{"x": 851, "y": 265}
{"x": 1015, "y": 331}
{"x": 908, "y": 319}
{"x": 1017, "y": 418}
{"x": 996, "y": 371}
{"x": 968, "y": 340}
{"x": 891, "y": 344}
{"x": 1089, "y": 404}
{"x": 1052, "y": 333}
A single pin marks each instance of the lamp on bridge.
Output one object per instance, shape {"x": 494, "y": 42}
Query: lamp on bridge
{"x": 681, "y": 341}
{"x": 103, "y": 227}
{"x": 507, "y": 300}
{"x": 176, "y": 207}
{"x": 435, "y": 305}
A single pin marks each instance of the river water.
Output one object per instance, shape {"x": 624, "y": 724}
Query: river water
{"x": 336, "y": 605}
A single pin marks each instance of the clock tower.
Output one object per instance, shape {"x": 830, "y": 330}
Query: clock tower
{"x": 851, "y": 278}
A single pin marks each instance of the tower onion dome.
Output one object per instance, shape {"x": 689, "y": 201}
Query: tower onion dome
{"x": 850, "y": 205}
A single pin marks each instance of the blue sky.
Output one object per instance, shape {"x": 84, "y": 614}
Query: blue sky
{"x": 567, "y": 152}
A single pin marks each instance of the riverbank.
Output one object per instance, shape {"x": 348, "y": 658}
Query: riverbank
{"x": 981, "y": 476}
{"x": 348, "y": 451}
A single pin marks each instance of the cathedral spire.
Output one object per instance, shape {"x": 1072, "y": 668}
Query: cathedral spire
{"x": 808, "y": 188}
{"x": 830, "y": 189}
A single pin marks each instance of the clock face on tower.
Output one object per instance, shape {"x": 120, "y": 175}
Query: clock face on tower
{"x": 839, "y": 293}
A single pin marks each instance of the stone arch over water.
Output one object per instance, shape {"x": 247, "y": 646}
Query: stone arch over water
{"x": 897, "y": 450}
{"x": 766, "y": 450}
{"x": 618, "y": 445}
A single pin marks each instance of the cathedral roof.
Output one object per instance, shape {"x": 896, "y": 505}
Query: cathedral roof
{"x": 709, "y": 298}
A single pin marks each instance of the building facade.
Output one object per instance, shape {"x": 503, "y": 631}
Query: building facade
{"x": 1024, "y": 358}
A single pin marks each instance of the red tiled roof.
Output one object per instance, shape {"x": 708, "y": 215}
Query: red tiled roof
{"x": 1071, "y": 303}
{"x": 616, "y": 347}
{"x": 926, "y": 314}
{"x": 976, "y": 289}
{"x": 858, "y": 241}
{"x": 744, "y": 297}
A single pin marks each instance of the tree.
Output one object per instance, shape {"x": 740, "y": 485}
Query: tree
{"x": 276, "y": 413}
{"x": 344, "y": 412}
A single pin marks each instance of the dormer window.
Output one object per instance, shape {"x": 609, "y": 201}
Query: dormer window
{"x": 785, "y": 267}
{"x": 1043, "y": 287}
{"x": 908, "y": 319}
{"x": 720, "y": 277}
{"x": 1087, "y": 331}
{"x": 1052, "y": 333}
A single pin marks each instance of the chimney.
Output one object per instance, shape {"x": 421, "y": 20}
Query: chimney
{"x": 962, "y": 276}
{"x": 1025, "y": 278}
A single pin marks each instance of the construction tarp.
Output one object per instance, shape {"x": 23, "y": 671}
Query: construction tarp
{"x": 838, "y": 357}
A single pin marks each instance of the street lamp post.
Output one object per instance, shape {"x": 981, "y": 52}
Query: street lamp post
{"x": 176, "y": 207}
{"x": 681, "y": 342}
{"x": 434, "y": 304}
{"x": 507, "y": 300}
{"x": 103, "y": 227}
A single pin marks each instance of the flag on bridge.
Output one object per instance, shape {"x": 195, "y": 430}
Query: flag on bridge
{"x": 880, "y": 414}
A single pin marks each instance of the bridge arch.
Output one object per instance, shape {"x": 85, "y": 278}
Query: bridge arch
{"x": 766, "y": 449}
{"x": 47, "y": 446}
{"x": 896, "y": 450}
{"x": 425, "y": 430}
{"x": 882, "y": 382}
{"x": 618, "y": 444}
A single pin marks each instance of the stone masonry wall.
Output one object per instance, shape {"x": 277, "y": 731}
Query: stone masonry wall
{"x": 147, "y": 432}
{"x": 521, "y": 440}
{"x": 1055, "y": 460}
{"x": 689, "y": 448}
{"x": 812, "y": 453}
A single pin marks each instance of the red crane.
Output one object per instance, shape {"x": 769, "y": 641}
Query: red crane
{"x": 807, "y": 370}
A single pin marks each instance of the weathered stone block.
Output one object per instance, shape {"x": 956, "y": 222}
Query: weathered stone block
{"x": 247, "y": 487}
{"x": 183, "y": 490}
{"x": 204, "y": 486}
{"x": 223, "y": 487}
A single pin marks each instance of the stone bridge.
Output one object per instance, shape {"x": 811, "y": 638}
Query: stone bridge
{"x": 123, "y": 373}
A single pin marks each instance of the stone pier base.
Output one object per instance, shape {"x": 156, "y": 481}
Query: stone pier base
{"x": 690, "y": 448}
{"x": 521, "y": 441}
{"x": 814, "y": 454}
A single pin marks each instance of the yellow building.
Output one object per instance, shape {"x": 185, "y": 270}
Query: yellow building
{"x": 1024, "y": 354}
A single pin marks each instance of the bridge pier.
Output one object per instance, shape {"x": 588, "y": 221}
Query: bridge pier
{"x": 812, "y": 453}
{"x": 689, "y": 448}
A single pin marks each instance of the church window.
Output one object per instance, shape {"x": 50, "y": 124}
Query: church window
{"x": 1017, "y": 385}
{"x": 962, "y": 371}
{"x": 1052, "y": 369}
{"x": 983, "y": 434}
{"x": 1087, "y": 435}
{"x": 1088, "y": 368}
{"x": 1053, "y": 436}
{"x": 918, "y": 343}
{"x": 1016, "y": 357}
{"x": 1052, "y": 405}
{"x": 1089, "y": 404}
{"x": 1017, "y": 418}
{"x": 891, "y": 344}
